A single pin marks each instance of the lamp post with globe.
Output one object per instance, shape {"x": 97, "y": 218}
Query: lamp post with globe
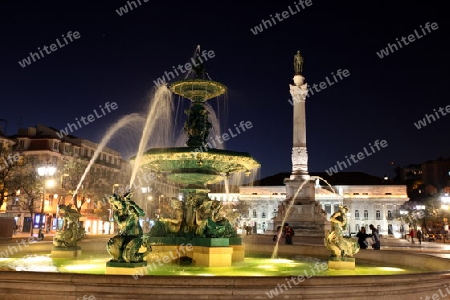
{"x": 44, "y": 171}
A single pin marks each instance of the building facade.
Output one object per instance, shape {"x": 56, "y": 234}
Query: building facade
{"x": 368, "y": 204}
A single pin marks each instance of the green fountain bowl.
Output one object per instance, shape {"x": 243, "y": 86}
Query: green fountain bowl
{"x": 198, "y": 90}
{"x": 188, "y": 166}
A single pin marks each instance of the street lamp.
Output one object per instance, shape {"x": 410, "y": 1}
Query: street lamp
{"x": 403, "y": 214}
{"x": 44, "y": 171}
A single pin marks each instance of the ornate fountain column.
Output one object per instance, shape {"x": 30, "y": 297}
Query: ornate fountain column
{"x": 304, "y": 214}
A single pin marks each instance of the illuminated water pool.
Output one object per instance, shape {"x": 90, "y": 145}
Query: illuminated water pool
{"x": 256, "y": 265}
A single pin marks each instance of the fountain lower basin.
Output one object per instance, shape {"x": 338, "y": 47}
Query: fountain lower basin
{"x": 427, "y": 275}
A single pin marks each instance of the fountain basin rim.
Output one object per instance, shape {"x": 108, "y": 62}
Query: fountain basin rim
{"x": 194, "y": 150}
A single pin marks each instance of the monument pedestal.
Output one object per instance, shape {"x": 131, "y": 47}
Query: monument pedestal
{"x": 341, "y": 263}
{"x": 305, "y": 215}
{"x": 124, "y": 268}
{"x": 66, "y": 252}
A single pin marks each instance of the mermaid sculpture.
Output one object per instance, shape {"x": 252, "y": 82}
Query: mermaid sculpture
{"x": 71, "y": 233}
{"x": 125, "y": 246}
{"x": 335, "y": 241}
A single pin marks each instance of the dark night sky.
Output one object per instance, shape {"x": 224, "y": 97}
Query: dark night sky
{"x": 118, "y": 57}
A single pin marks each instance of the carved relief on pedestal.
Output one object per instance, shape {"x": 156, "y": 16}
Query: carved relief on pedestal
{"x": 299, "y": 93}
{"x": 299, "y": 159}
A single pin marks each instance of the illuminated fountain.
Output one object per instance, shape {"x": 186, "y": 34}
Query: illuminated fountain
{"x": 197, "y": 220}
{"x": 45, "y": 278}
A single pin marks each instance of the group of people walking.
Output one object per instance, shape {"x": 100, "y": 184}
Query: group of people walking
{"x": 366, "y": 240}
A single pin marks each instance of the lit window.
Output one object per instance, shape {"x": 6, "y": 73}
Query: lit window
{"x": 378, "y": 215}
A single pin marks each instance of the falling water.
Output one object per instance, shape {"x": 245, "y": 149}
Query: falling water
{"x": 160, "y": 110}
{"x": 275, "y": 250}
{"x": 111, "y": 131}
{"x": 215, "y": 130}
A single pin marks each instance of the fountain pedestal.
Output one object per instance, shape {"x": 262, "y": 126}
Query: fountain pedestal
{"x": 66, "y": 252}
{"x": 341, "y": 263}
{"x": 213, "y": 256}
{"x": 204, "y": 252}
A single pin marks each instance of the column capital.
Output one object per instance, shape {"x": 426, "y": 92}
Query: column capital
{"x": 298, "y": 93}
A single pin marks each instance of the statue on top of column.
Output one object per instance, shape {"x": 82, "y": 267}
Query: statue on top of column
{"x": 298, "y": 63}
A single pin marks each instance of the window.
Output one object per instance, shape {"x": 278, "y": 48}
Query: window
{"x": 357, "y": 228}
{"x": 274, "y": 193}
{"x": 355, "y": 193}
{"x": 263, "y": 215}
{"x": 388, "y": 193}
{"x": 254, "y": 193}
{"x": 366, "y": 214}
{"x": 379, "y": 228}
{"x": 356, "y": 214}
{"x": 254, "y": 213}
{"x": 55, "y": 146}
{"x": 389, "y": 215}
{"x": 336, "y": 207}
{"x": 378, "y": 214}
{"x": 328, "y": 208}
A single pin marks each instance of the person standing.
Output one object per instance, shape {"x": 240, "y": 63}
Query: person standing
{"x": 419, "y": 236}
{"x": 362, "y": 236}
{"x": 411, "y": 234}
{"x": 288, "y": 234}
{"x": 376, "y": 238}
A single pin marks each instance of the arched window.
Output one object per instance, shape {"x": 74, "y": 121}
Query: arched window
{"x": 378, "y": 214}
{"x": 389, "y": 215}
{"x": 357, "y": 228}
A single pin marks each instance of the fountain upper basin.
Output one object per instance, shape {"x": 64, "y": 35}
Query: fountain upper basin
{"x": 188, "y": 166}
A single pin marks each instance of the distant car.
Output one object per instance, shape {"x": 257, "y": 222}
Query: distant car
{"x": 429, "y": 237}
{"x": 432, "y": 237}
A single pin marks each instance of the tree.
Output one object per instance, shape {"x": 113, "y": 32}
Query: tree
{"x": 8, "y": 162}
{"x": 26, "y": 179}
{"x": 95, "y": 186}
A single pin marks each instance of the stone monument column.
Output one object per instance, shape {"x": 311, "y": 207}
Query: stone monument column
{"x": 299, "y": 92}
{"x": 300, "y": 176}
{"x": 303, "y": 213}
